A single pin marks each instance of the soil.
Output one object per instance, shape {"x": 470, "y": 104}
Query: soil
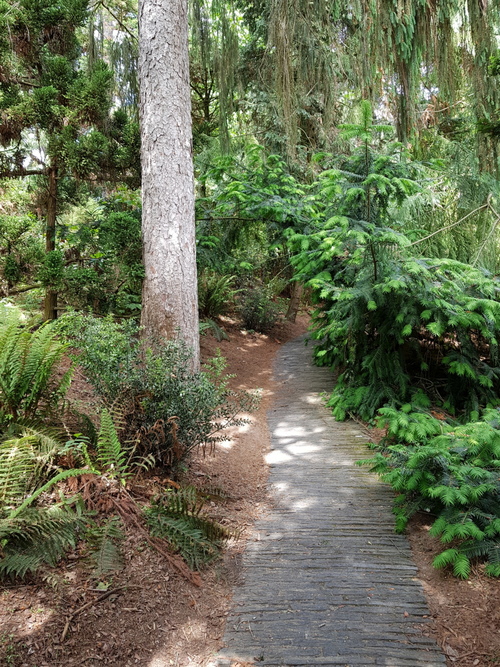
{"x": 150, "y": 615}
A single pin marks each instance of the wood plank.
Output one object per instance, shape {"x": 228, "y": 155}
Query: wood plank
{"x": 326, "y": 579}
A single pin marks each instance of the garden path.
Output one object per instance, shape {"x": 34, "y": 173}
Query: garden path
{"x": 326, "y": 579}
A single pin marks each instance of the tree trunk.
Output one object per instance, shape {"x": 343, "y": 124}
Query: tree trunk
{"x": 170, "y": 299}
{"x": 50, "y": 304}
{"x": 294, "y": 304}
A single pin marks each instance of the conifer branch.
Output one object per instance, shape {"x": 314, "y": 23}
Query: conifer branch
{"x": 489, "y": 235}
{"x": 120, "y": 23}
{"x": 24, "y": 289}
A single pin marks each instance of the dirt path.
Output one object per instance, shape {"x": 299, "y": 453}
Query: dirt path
{"x": 327, "y": 582}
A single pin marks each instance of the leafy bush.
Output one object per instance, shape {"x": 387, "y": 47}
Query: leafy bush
{"x": 109, "y": 351}
{"x": 165, "y": 409}
{"x": 171, "y": 410}
{"x": 452, "y": 472}
{"x": 216, "y": 293}
{"x": 258, "y": 312}
{"x": 182, "y": 410}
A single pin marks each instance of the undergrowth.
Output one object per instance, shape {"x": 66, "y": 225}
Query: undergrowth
{"x": 451, "y": 471}
{"x": 62, "y": 492}
{"x": 169, "y": 409}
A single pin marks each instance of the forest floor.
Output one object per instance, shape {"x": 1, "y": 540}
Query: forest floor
{"x": 153, "y": 617}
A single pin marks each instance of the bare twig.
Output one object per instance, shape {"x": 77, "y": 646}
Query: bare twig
{"x": 466, "y": 655}
{"x": 86, "y": 606}
{"x": 447, "y": 628}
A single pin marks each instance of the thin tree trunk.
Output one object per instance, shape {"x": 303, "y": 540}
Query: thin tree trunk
{"x": 50, "y": 305}
{"x": 294, "y": 304}
{"x": 170, "y": 300}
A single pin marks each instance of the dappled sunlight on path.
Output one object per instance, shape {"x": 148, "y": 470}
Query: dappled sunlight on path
{"x": 327, "y": 582}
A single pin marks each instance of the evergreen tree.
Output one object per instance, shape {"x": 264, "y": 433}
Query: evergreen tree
{"x": 170, "y": 301}
{"x": 55, "y": 111}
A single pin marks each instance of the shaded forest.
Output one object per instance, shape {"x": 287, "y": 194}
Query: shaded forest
{"x": 346, "y": 160}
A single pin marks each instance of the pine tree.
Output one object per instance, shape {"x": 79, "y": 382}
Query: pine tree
{"x": 170, "y": 299}
{"x": 55, "y": 118}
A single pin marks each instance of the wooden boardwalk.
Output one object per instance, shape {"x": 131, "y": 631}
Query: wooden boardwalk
{"x": 326, "y": 579}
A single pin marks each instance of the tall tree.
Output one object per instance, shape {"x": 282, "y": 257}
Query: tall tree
{"x": 170, "y": 301}
{"x": 54, "y": 112}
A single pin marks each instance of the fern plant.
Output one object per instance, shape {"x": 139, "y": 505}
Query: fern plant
{"x": 29, "y": 384}
{"x": 32, "y": 536}
{"x": 104, "y": 542}
{"x": 177, "y": 517}
{"x": 216, "y": 293}
{"x": 39, "y": 536}
{"x": 110, "y": 454}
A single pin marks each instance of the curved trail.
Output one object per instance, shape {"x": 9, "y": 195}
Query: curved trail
{"x": 327, "y": 581}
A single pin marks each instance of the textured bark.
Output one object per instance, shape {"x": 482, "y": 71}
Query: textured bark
{"x": 170, "y": 300}
{"x": 294, "y": 304}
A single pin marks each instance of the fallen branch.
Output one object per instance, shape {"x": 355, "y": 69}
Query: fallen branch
{"x": 447, "y": 628}
{"x": 177, "y": 563}
{"x": 86, "y": 606}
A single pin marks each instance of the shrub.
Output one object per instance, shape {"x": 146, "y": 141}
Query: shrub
{"x": 390, "y": 323}
{"x": 170, "y": 410}
{"x": 423, "y": 325}
{"x": 452, "y": 472}
{"x": 182, "y": 410}
{"x": 258, "y": 312}
{"x": 109, "y": 351}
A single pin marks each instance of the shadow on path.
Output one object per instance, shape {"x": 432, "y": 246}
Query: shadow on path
{"x": 327, "y": 581}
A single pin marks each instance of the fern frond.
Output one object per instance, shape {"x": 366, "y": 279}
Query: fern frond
{"x": 36, "y": 537}
{"x": 109, "y": 450}
{"x": 17, "y": 466}
{"x": 177, "y": 517}
{"x": 27, "y": 370}
{"x": 47, "y": 440}
{"x": 105, "y": 552}
{"x": 194, "y": 547}
{"x": 65, "y": 474}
